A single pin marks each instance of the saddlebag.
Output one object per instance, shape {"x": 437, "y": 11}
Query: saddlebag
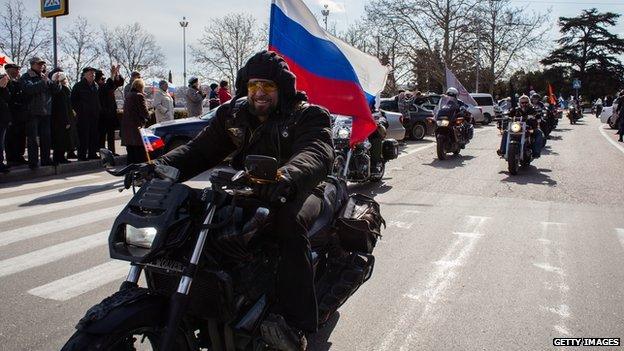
{"x": 390, "y": 149}
{"x": 359, "y": 224}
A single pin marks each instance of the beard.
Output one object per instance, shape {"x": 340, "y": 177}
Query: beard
{"x": 262, "y": 111}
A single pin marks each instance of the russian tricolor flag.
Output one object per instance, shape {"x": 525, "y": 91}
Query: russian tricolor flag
{"x": 332, "y": 73}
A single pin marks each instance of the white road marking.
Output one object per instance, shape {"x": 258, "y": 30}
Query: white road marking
{"x": 432, "y": 144}
{"x": 37, "y": 185}
{"x": 619, "y": 146}
{"x": 51, "y": 254}
{"x": 45, "y": 228}
{"x": 51, "y": 194}
{"x": 82, "y": 282}
{"x": 620, "y": 235}
{"x": 34, "y": 210}
{"x": 562, "y": 310}
{"x": 444, "y": 273}
{"x": 399, "y": 224}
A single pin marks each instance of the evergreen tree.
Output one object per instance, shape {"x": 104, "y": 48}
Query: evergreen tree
{"x": 587, "y": 50}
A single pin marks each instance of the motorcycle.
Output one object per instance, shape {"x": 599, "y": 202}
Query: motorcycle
{"x": 518, "y": 144}
{"x": 451, "y": 134}
{"x": 574, "y": 114}
{"x": 353, "y": 163}
{"x": 210, "y": 261}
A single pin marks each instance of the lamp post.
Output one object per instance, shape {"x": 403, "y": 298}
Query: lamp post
{"x": 184, "y": 23}
{"x": 325, "y": 13}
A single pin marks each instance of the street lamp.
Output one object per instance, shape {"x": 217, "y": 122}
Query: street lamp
{"x": 325, "y": 13}
{"x": 184, "y": 23}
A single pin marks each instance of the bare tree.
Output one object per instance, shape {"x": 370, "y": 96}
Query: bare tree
{"x": 439, "y": 27}
{"x": 227, "y": 43}
{"x": 79, "y": 46}
{"x": 22, "y": 36}
{"x": 133, "y": 48}
{"x": 505, "y": 34}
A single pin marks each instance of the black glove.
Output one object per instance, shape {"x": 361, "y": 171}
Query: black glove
{"x": 277, "y": 192}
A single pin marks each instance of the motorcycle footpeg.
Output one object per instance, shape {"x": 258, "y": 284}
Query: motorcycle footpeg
{"x": 278, "y": 335}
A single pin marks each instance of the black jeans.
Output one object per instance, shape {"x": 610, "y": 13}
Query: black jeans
{"x": 136, "y": 154}
{"x": 295, "y": 278}
{"x": 38, "y": 126}
{"x": 107, "y": 134}
{"x": 16, "y": 141}
{"x": 88, "y": 137}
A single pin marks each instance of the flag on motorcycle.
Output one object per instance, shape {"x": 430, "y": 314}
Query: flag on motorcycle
{"x": 151, "y": 142}
{"x": 552, "y": 99}
{"x": 452, "y": 81}
{"x": 334, "y": 74}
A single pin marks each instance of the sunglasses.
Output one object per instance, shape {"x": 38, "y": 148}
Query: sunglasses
{"x": 524, "y": 102}
{"x": 266, "y": 86}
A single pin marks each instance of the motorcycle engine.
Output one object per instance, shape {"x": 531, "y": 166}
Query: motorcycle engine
{"x": 359, "y": 167}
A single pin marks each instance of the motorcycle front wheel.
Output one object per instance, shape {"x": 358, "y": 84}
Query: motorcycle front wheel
{"x": 142, "y": 333}
{"x": 512, "y": 159}
{"x": 440, "y": 149}
{"x": 377, "y": 178}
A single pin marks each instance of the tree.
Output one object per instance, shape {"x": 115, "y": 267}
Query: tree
{"x": 79, "y": 45}
{"x": 504, "y": 34}
{"x": 227, "y": 43}
{"x": 133, "y": 48}
{"x": 588, "y": 50}
{"x": 439, "y": 29}
{"x": 22, "y": 36}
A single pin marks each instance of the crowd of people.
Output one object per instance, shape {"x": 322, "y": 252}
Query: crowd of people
{"x": 49, "y": 122}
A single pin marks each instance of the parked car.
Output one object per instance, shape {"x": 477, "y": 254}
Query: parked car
{"x": 434, "y": 99}
{"x": 419, "y": 123}
{"x": 394, "y": 127}
{"x": 609, "y": 116}
{"x": 180, "y": 131}
{"x": 486, "y": 103}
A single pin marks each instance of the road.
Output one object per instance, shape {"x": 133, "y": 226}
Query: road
{"x": 472, "y": 258}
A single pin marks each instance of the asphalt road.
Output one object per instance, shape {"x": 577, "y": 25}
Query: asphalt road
{"x": 472, "y": 258}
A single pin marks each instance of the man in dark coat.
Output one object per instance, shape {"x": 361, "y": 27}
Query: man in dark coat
{"x": 38, "y": 89}
{"x": 16, "y": 133}
{"x": 5, "y": 117}
{"x": 108, "y": 117}
{"x": 85, "y": 101}
{"x": 61, "y": 118}
{"x": 274, "y": 121}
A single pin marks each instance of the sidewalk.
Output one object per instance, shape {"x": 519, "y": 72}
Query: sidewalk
{"x": 23, "y": 173}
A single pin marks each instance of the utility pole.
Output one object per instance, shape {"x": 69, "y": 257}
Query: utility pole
{"x": 478, "y": 63}
{"x": 184, "y": 23}
{"x": 325, "y": 13}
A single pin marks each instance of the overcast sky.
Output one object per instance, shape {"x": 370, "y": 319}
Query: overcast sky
{"x": 161, "y": 17}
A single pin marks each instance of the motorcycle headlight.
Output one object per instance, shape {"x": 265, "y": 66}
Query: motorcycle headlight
{"x": 343, "y": 133}
{"x": 443, "y": 122}
{"x": 141, "y": 237}
{"x": 515, "y": 127}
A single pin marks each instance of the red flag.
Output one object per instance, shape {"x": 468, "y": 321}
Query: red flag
{"x": 552, "y": 99}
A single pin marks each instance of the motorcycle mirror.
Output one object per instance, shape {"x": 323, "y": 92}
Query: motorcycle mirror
{"x": 261, "y": 167}
{"x": 107, "y": 158}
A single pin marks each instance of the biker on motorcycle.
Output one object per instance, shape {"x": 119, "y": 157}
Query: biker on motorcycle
{"x": 525, "y": 109}
{"x": 275, "y": 121}
{"x": 458, "y": 106}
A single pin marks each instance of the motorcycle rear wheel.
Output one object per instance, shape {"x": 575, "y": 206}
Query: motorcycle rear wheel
{"x": 512, "y": 159}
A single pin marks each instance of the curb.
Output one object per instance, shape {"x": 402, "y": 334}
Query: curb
{"x": 25, "y": 173}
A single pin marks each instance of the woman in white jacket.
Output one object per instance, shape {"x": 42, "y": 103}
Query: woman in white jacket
{"x": 163, "y": 103}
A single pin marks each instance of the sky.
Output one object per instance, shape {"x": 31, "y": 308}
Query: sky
{"x": 161, "y": 18}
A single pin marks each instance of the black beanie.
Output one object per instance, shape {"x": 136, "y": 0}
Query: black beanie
{"x": 271, "y": 66}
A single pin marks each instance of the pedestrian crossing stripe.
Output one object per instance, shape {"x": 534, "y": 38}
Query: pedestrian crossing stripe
{"x": 37, "y": 185}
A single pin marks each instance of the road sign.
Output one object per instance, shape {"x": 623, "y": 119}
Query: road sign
{"x": 576, "y": 84}
{"x": 53, "y": 8}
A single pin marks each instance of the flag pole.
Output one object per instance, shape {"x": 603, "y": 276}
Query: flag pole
{"x": 145, "y": 145}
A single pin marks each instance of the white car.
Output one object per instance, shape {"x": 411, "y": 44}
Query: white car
{"x": 486, "y": 103}
{"x": 609, "y": 116}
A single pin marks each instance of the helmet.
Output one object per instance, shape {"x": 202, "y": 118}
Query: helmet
{"x": 523, "y": 97}
{"x": 452, "y": 92}
{"x": 535, "y": 96}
